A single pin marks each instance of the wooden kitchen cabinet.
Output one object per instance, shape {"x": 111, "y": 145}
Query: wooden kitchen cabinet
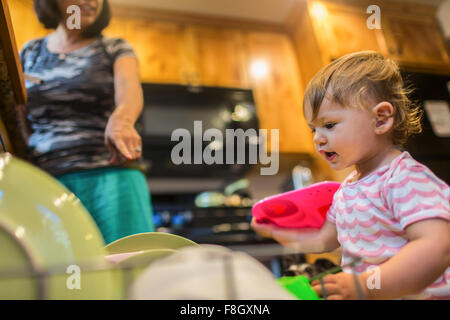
{"x": 183, "y": 52}
{"x": 343, "y": 29}
{"x": 25, "y": 23}
{"x": 171, "y": 52}
{"x": 159, "y": 47}
{"x": 415, "y": 41}
{"x": 409, "y": 34}
{"x": 217, "y": 56}
{"x": 278, "y": 93}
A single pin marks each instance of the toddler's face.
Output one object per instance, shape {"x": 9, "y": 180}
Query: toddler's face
{"x": 342, "y": 136}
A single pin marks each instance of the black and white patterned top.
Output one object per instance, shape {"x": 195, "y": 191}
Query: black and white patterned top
{"x": 68, "y": 111}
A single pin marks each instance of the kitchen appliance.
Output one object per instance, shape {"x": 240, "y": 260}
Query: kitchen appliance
{"x": 199, "y": 216}
{"x": 192, "y": 199}
{"x": 168, "y": 108}
{"x": 222, "y": 225}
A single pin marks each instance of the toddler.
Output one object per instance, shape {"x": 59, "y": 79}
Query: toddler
{"x": 392, "y": 212}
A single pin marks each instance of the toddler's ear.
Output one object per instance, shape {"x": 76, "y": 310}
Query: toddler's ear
{"x": 384, "y": 117}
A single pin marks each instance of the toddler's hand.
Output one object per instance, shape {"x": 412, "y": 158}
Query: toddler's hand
{"x": 263, "y": 229}
{"x": 291, "y": 238}
{"x": 340, "y": 286}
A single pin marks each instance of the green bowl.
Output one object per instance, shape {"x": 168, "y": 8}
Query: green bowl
{"x": 132, "y": 267}
{"x": 133, "y": 254}
{"x": 145, "y": 258}
{"x": 148, "y": 241}
{"x": 50, "y": 247}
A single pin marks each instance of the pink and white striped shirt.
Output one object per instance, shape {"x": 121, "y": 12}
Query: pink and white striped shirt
{"x": 371, "y": 214}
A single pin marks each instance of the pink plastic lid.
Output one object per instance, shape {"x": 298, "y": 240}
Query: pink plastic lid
{"x": 302, "y": 208}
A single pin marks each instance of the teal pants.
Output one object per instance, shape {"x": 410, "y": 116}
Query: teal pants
{"x": 118, "y": 200}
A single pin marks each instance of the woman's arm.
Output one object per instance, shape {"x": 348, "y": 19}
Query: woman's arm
{"x": 303, "y": 240}
{"x": 121, "y": 137}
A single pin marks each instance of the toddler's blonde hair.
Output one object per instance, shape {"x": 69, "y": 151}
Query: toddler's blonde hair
{"x": 362, "y": 77}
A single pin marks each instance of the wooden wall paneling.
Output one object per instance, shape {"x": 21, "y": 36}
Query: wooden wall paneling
{"x": 278, "y": 94}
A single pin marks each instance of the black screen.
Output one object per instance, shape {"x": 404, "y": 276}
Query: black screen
{"x": 171, "y": 107}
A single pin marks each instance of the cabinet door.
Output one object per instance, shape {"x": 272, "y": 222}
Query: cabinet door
{"x": 171, "y": 52}
{"x": 416, "y": 41}
{"x": 342, "y": 30}
{"x": 158, "y": 46}
{"x": 276, "y": 84}
{"x": 217, "y": 56}
{"x": 25, "y": 22}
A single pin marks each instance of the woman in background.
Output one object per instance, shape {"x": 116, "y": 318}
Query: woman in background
{"x": 82, "y": 112}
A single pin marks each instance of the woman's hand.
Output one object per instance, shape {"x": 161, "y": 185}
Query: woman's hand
{"x": 341, "y": 286}
{"x": 122, "y": 140}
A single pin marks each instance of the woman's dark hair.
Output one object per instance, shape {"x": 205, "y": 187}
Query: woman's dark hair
{"x": 50, "y": 16}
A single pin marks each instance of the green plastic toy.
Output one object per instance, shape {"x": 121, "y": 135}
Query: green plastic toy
{"x": 299, "y": 286}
